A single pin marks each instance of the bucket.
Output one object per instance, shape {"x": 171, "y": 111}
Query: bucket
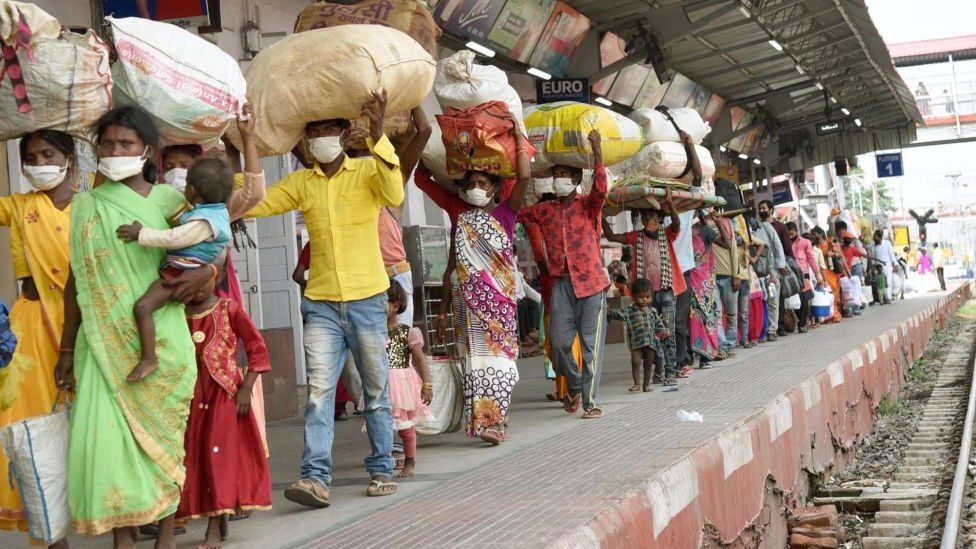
{"x": 822, "y": 304}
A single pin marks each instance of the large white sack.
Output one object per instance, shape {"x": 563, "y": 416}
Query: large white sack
{"x": 657, "y": 128}
{"x": 191, "y": 87}
{"x": 329, "y": 73}
{"x": 434, "y": 156}
{"x": 460, "y": 83}
{"x": 37, "y": 449}
{"x": 446, "y": 410}
{"x": 666, "y": 159}
{"x": 66, "y": 75}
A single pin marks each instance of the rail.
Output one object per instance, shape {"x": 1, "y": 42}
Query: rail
{"x": 950, "y": 534}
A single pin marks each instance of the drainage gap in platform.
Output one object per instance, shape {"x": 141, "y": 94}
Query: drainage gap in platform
{"x": 893, "y": 495}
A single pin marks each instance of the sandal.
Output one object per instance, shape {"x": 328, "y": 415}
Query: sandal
{"x": 398, "y": 461}
{"x": 379, "y": 487}
{"x": 572, "y": 404}
{"x": 492, "y": 436}
{"x": 552, "y": 397}
{"x": 240, "y": 516}
{"x": 680, "y": 375}
{"x": 593, "y": 413}
{"x": 669, "y": 381}
{"x": 686, "y": 369}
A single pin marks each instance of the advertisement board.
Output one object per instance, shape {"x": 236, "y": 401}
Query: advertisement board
{"x": 467, "y": 18}
{"x": 563, "y": 34}
{"x": 562, "y": 89}
{"x": 651, "y": 93}
{"x": 518, "y": 27}
{"x": 713, "y": 109}
{"x": 182, "y": 13}
{"x": 611, "y": 51}
{"x": 679, "y": 91}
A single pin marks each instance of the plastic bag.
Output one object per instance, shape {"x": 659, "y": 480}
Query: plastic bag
{"x": 793, "y": 302}
{"x": 460, "y": 84}
{"x": 37, "y": 449}
{"x": 192, "y": 88}
{"x": 690, "y": 417}
{"x": 446, "y": 409}
{"x": 66, "y": 77}
{"x": 293, "y": 82}
{"x": 658, "y": 128}
{"x": 559, "y": 132}
{"x": 479, "y": 138}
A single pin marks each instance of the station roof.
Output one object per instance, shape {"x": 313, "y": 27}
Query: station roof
{"x": 924, "y": 52}
{"x": 724, "y": 45}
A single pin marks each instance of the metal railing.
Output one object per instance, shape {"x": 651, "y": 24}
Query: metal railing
{"x": 941, "y": 106}
{"x": 950, "y": 534}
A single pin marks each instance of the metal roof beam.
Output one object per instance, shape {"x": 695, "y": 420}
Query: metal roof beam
{"x": 761, "y": 96}
{"x": 737, "y": 66}
{"x": 802, "y": 18}
{"x": 814, "y": 32}
{"x": 804, "y": 52}
{"x": 721, "y": 50}
{"x": 780, "y": 7}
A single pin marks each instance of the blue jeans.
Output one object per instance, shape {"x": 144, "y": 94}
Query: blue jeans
{"x": 730, "y": 301}
{"x": 744, "y": 310}
{"x": 332, "y": 329}
{"x": 664, "y": 303}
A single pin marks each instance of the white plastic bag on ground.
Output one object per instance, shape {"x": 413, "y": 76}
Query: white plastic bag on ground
{"x": 446, "y": 409}
{"x": 66, "y": 76}
{"x": 690, "y": 417}
{"x": 666, "y": 159}
{"x": 192, "y": 88}
{"x": 657, "y": 128}
{"x": 460, "y": 83}
{"x": 329, "y": 73}
{"x": 38, "y": 452}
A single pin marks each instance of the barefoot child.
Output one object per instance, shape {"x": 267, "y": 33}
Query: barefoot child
{"x": 226, "y": 466}
{"x": 410, "y": 387}
{"x": 645, "y": 330}
{"x": 202, "y": 235}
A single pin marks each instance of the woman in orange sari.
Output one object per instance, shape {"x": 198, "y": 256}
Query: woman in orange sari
{"x": 831, "y": 251}
{"x": 39, "y": 244}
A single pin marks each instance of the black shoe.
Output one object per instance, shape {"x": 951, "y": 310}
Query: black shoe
{"x": 782, "y": 333}
{"x": 802, "y": 329}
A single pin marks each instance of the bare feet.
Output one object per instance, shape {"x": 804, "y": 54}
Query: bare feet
{"x": 212, "y": 538}
{"x": 634, "y": 388}
{"x": 409, "y": 464}
{"x": 124, "y": 538}
{"x": 143, "y": 370}
{"x": 165, "y": 539}
{"x": 647, "y": 388}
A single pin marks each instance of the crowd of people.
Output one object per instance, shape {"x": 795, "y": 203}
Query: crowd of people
{"x": 129, "y": 304}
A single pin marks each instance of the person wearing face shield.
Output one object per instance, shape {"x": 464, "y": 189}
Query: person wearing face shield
{"x": 39, "y": 223}
{"x": 345, "y": 297}
{"x": 571, "y": 229}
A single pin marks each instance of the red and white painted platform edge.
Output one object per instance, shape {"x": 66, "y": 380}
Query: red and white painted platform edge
{"x": 637, "y": 478}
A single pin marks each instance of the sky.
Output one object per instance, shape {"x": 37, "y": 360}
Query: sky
{"x": 925, "y": 182}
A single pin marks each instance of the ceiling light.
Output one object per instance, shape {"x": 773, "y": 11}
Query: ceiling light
{"x": 478, "y": 48}
{"x": 539, "y": 74}
{"x": 744, "y": 156}
{"x": 857, "y": 122}
{"x": 604, "y": 101}
{"x": 722, "y": 148}
{"x": 818, "y": 85}
{"x": 845, "y": 111}
{"x": 756, "y": 161}
{"x": 745, "y": 12}
{"x": 776, "y": 45}
{"x": 800, "y": 70}
{"x": 833, "y": 100}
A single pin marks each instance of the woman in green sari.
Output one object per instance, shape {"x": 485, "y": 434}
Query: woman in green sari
{"x": 125, "y": 453}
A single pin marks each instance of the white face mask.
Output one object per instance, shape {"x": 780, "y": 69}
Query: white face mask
{"x": 476, "y": 197}
{"x": 563, "y": 185}
{"x": 45, "y": 178}
{"x": 176, "y": 178}
{"x": 326, "y": 149}
{"x": 118, "y": 168}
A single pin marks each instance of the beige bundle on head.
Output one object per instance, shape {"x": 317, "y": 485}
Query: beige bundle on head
{"x": 331, "y": 73}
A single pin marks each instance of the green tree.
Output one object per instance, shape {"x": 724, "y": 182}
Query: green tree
{"x": 858, "y": 190}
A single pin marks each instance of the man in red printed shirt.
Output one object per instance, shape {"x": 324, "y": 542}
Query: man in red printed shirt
{"x": 571, "y": 229}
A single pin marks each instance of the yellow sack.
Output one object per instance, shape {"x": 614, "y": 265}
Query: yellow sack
{"x": 329, "y": 73}
{"x": 559, "y": 133}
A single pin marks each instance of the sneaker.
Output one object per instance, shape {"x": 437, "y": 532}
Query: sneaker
{"x": 308, "y": 492}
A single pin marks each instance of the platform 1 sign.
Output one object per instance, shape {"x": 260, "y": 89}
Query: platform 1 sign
{"x": 889, "y": 164}
{"x": 562, "y": 89}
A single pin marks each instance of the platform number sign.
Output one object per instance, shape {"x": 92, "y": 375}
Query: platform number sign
{"x": 889, "y": 165}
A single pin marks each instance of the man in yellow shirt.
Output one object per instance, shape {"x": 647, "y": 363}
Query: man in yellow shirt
{"x": 345, "y": 299}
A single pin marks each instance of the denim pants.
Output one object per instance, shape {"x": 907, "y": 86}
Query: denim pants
{"x": 332, "y": 329}
{"x": 682, "y": 337}
{"x": 664, "y": 304}
{"x": 730, "y": 302}
{"x": 744, "y": 298}
{"x": 587, "y": 316}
